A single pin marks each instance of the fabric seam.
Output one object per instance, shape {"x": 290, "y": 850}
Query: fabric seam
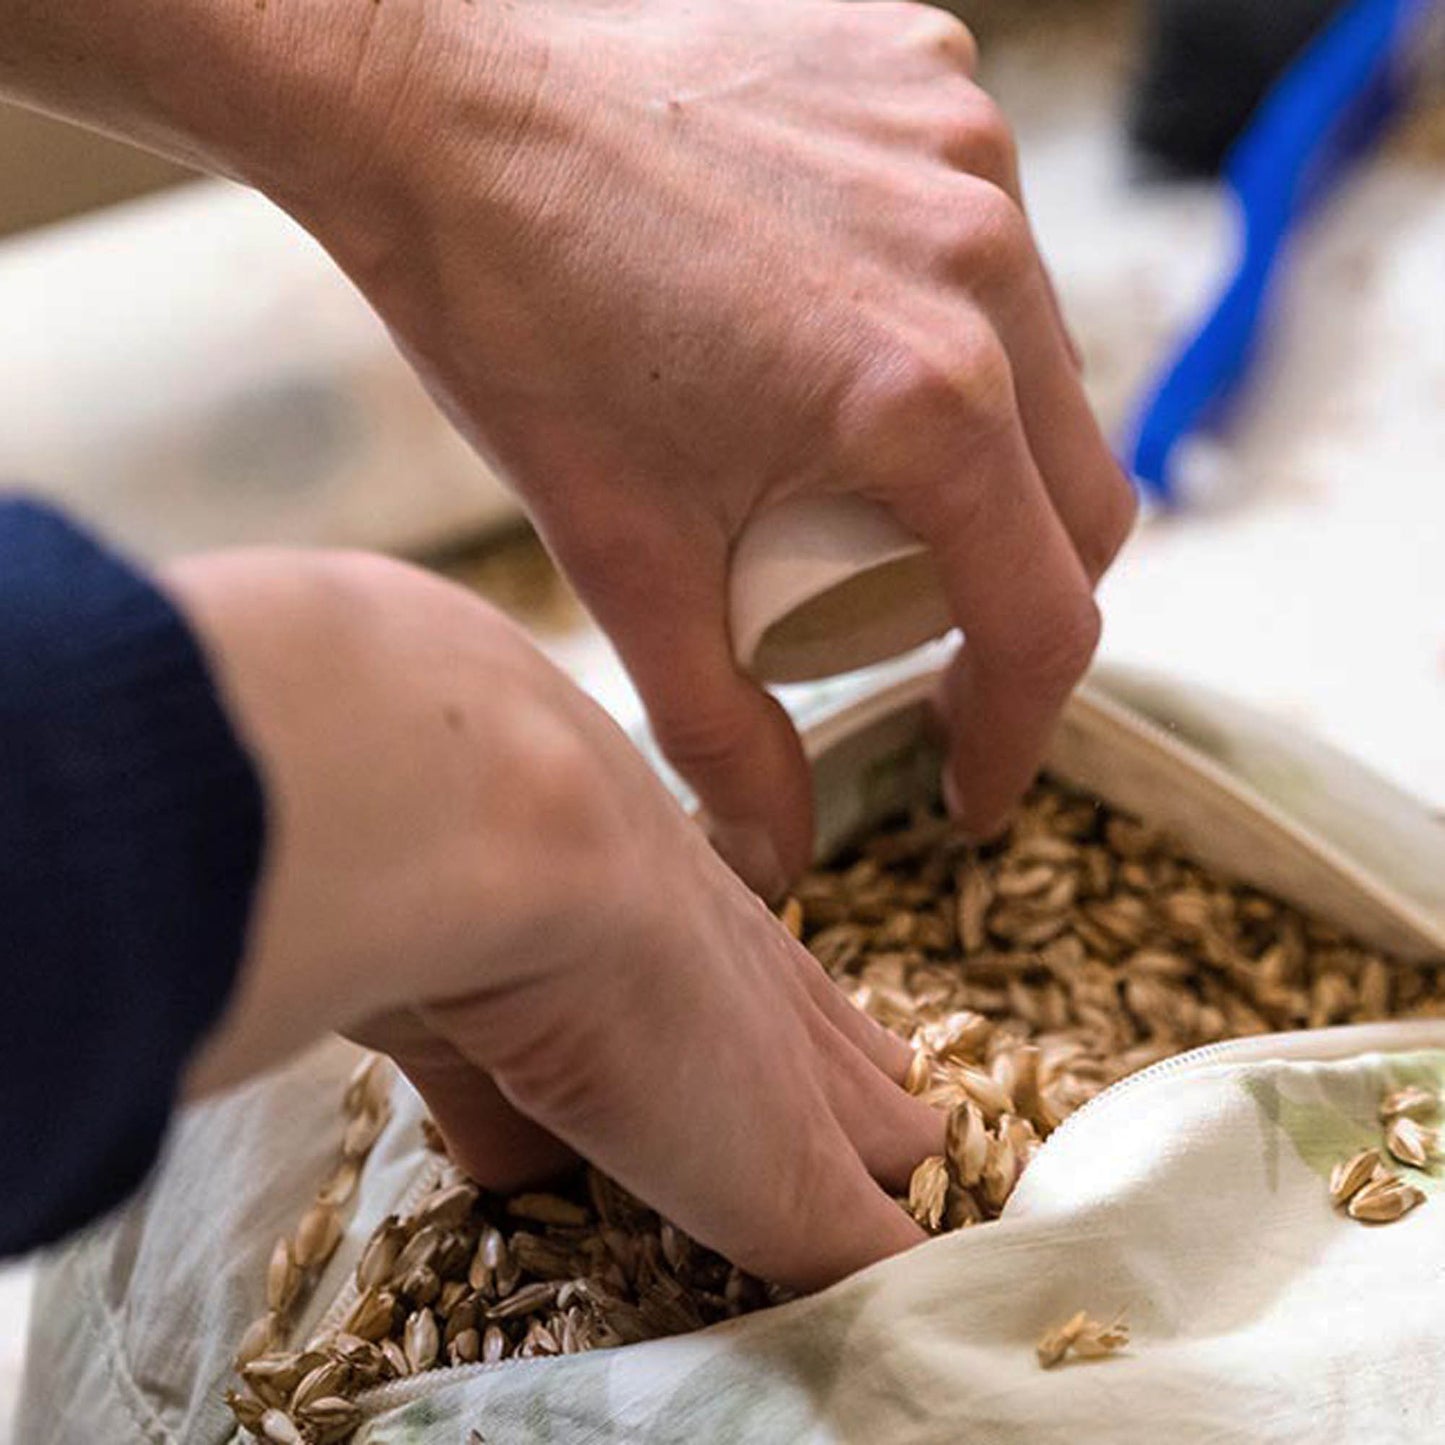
{"x": 130, "y": 1395}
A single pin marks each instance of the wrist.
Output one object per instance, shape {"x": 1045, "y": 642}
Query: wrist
{"x": 365, "y": 90}
{"x": 294, "y": 97}
{"x": 448, "y": 109}
{"x": 199, "y": 81}
{"x": 295, "y": 93}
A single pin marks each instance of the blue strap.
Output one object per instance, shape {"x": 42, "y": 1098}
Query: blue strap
{"x": 1318, "y": 121}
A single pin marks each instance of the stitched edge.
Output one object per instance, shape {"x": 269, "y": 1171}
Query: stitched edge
{"x": 101, "y": 1323}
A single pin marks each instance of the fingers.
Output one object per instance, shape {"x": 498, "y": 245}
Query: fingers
{"x": 891, "y": 1130}
{"x": 861, "y": 1131}
{"x": 1090, "y": 492}
{"x": 664, "y": 607}
{"x": 738, "y": 1142}
{"x": 866, "y": 1065}
{"x": 994, "y": 241}
{"x": 997, "y": 260}
{"x": 880, "y": 1046}
{"x": 491, "y": 1141}
{"x": 701, "y": 1075}
{"x": 820, "y": 1214}
{"x": 841, "y": 1219}
{"x": 1008, "y": 478}
{"x": 497, "y": 1145}
{"x": 1014, "y": 580}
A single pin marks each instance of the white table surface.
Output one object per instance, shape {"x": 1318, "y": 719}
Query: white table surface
{"x": 1319, "y": 592}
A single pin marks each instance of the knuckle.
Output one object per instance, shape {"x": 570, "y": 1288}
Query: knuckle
{"x": 698, "y": 740}
{"x": 1117, "y": 512}
{"x": 912, "y": 396}
{"x": 576, "y": 815}
{"x": 925, "y": 27}
{"x": 970, "y": 388}
{"x": 948, "y": 36}
{"x": 967, "y": 46}
{"x": 986, "y": 399}
{"x": 994, "y": 248}
{"x": 982, "y": 141}
{"x": 976, "y": 389}
{"x": 1057, "y": 651}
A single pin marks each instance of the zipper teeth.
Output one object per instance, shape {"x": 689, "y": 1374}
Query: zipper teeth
{"x": 1175, "y": 1063}
{"x": 400, "y": 1392}
{"x": 424, "y": 1181}
{"x": 1264, "y": 1046}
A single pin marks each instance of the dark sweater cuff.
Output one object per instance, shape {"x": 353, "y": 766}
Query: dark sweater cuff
{"x": 131, "y": 835}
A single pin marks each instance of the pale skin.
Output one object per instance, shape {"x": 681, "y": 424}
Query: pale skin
{"x": 666, "y": 264}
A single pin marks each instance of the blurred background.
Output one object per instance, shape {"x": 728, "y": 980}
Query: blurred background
{"x": 182, "y": 365}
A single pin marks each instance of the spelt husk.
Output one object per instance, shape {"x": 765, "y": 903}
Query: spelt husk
{"x": 1410, "y": 1103}
{"x": 1351, "y": 1175}
{"x": 1096, "y": 1341}
{"x": 1083, "y": 1337}
{"x": 1028, "y": 976}
{"x": 1053, "y": 1346}
{"x": 1382, "y": 1201}
{"x": 1410, "y": 1142}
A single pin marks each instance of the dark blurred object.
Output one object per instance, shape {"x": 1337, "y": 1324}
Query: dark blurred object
{"x": 1206, "y": 65}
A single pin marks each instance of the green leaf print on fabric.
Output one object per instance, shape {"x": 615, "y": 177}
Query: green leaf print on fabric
{"x": 1330, "y": 1111}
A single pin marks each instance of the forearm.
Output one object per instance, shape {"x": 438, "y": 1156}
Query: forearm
{"x": 282, "y": 94}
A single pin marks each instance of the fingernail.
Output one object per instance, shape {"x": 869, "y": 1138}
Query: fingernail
{"x": 750, "y": 852}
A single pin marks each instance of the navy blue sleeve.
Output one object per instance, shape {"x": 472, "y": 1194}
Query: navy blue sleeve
{"x": 131, "y": 833}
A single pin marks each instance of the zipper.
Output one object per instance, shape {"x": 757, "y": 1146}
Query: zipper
{"x": 1348, "y": 1041}
{"x": 423, "y": 1182}
{"x": 1316, "y": 1045}
{"x": 381, "y": 1398}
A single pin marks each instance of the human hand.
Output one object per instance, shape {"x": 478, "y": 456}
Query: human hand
{"x": 670, "y": 265}
{"x": 470, "y": 867}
